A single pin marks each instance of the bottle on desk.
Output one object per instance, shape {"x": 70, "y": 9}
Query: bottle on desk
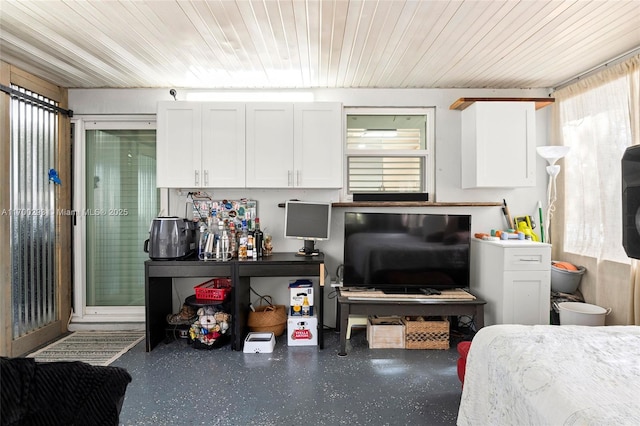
{"x": 258, "y": 236}
{"x": 218, "y": 241}
{"x": 202, "y": 245}
{"x": 250, "y": 250}
{"x": 242, "y": 241}
{"x": 225, "y": 251}
{"x": 233, "y": 242}
{"x": 210, "y": 242}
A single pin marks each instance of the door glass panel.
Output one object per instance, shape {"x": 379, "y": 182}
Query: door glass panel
{"x": 121, "y": 201}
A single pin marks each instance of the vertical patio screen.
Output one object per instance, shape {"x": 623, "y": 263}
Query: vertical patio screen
{"x": 34, "y": 141}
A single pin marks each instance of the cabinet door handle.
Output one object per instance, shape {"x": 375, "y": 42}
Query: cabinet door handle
{"x": 297, "y": 177}
{"x": 530, "y": 259}
{"x": 197, "y": 177}
{"x": 206, "y": 178}
{"x": 289, "y": 178}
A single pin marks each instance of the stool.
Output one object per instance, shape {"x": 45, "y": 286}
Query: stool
{"x": 355, "y": 320}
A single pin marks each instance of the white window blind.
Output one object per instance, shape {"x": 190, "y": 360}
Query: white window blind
{"x": 377, "y": 174}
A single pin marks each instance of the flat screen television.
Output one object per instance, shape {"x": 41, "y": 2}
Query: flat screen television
{"x": 409, "y": 253}
{"x": 309, "y": 221}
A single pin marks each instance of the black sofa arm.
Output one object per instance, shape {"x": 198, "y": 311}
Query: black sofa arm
{"x": 60, "y": 393}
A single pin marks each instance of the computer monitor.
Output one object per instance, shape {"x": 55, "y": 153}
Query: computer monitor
{"x": 309, "y": 221}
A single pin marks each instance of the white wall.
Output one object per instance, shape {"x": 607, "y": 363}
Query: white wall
{"x": 522, "y": 201}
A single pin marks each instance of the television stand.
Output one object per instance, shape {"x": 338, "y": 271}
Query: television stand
{"x": 407, "y": 306}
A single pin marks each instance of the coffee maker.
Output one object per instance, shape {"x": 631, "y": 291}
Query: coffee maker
{"x": 171, "y": 238}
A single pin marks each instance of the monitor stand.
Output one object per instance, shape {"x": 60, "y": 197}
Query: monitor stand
{"x": 308, "y": 249}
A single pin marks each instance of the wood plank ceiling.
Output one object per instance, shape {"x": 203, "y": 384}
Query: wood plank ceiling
{"x": 315, "y": 44}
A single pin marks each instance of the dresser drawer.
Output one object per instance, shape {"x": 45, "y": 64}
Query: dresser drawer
{"x": 527, "y": 259}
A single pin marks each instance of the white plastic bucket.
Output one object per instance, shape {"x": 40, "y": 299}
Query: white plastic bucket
{"x": 578, "y": 313}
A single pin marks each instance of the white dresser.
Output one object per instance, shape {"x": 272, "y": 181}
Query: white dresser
{"x": 514, "y": 278}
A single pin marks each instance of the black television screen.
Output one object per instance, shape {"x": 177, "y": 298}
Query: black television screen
{"x": 406, "y": 252}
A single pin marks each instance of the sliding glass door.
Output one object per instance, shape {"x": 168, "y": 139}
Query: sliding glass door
{"x": 117, "y": 202}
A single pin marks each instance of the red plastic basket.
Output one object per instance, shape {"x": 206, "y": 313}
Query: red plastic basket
{"x": 214, "y": 289}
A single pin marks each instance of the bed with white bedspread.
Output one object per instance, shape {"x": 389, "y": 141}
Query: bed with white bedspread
{"x": 552, "y": 375}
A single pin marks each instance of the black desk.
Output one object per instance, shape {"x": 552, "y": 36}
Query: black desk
{"x": 424, "y": 307}
{"x": 159, "y": 280}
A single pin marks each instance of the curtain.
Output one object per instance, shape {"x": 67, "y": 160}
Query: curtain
{"x": 598, "y": 118}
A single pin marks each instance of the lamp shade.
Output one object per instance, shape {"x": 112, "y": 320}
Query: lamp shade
{"x": 552, "y": 153}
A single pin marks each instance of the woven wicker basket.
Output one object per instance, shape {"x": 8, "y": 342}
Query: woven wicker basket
{"x": 268, "y": 318}
{"x": 426, "y": 334}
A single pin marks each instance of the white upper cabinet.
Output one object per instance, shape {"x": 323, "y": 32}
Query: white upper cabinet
{"x": 318, "y": 147}
{"x": 179, "y": 145}
{"x": 498, "y": 145}
{"x": 269, "y": 145}
{"x": 253, "y": 145}
{"x": 294, "y": 145}
{"x": 200, "y": 145}
{"x": 223, "y": 148}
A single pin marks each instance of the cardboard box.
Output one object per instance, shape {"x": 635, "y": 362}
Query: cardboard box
{"x": 302, "y": 331}
{"x": 256, "y": 343}
{"x": 298, "y": 291}
{"x": 385, "y": 333}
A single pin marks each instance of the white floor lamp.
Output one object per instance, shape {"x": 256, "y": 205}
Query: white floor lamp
{"x": 551, "y": 154}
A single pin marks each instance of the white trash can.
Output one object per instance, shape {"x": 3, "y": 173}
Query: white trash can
{"x": 578, "y": 313}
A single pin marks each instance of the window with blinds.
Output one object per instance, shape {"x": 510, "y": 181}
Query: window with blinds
{"x": 389, "y": 151}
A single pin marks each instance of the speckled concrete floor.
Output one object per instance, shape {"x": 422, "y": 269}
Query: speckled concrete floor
{"x": 177, "y": 385}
